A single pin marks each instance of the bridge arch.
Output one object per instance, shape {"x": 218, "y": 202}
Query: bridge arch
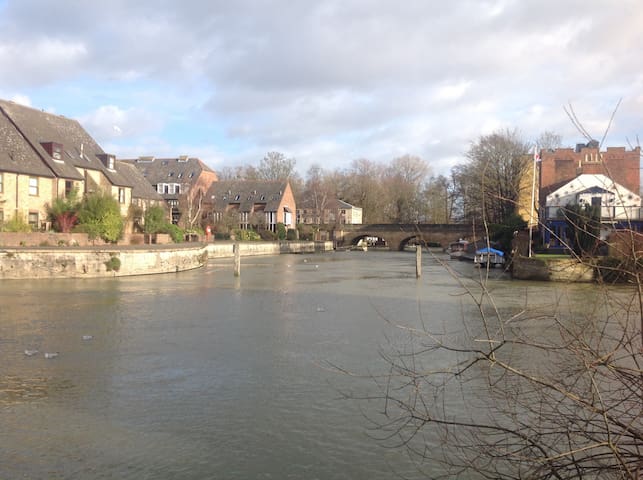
{"x": 399, "y": 235}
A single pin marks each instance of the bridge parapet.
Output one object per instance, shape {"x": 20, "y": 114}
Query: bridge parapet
{"x": 398, "y": 235}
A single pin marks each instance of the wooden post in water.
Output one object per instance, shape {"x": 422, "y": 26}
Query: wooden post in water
{"x": 418, "y": 260}
{"x": 237, "y": 260}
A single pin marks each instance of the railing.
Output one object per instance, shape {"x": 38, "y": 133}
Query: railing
{"x": 607, "y": 213}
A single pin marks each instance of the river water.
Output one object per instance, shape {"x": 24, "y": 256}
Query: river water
{"x": 205, "y": 375}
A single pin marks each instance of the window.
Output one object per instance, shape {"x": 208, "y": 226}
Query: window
{"x": 33, "y": 219}
{"x": 69, "y": 186}
{"x": 121, "y": 195}
{"x": 33, "y": 186}
{"x": 1, "y": 183}
{"x": 1, "y": 217}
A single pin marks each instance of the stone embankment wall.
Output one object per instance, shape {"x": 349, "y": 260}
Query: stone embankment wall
{"x": 97, "y": 262}
{"x": 117, "y": 261}
{"x": 555, "y": 270}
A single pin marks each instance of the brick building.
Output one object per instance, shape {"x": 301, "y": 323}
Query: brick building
{"x": 252, "y": 203}
{"x": 559, "y": 166}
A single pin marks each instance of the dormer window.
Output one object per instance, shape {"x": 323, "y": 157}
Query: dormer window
{"x": 55, "y": 150}
{"x": 237, "y": 197}
{"x": 107, "y": 160}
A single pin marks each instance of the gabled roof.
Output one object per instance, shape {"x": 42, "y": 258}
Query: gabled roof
{"x": 16, "y": 155}
{"x": 331, "y": 204}
{"x": 79, "y": 148}
{"x": 592, "y": 183}
{"x": 141, "y": 188}
{"x": 169, "y": 170}
{"x": 246, "y": 194}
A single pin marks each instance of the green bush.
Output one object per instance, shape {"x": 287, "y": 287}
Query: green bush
{"x": 99, "y": 216}
{"x": 246, "y": 235}
{"x": 306, "y": 232}
{"x": 267, "y": 235}
{"x": 281, "y": 231}
{"x": 113, "y": 264}
{"x": 155, "y": 220}
{"x": 17, "y": 225}
{"x": 174, "y": 231}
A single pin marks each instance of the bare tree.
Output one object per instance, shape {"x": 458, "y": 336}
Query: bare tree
{"x": 404, "y": 180}
{"x": 497, "y": 165}
{"x": 276, "y": 166}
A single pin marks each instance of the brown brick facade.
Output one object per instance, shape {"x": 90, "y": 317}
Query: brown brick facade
{"x": 564, "y": 164}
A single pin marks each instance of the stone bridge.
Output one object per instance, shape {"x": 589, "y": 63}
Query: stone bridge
{"x": 399, "y": 234}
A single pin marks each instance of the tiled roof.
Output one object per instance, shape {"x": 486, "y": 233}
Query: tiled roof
{"x": 169, "y": 170}
{"x": 246, "y": 193}
{"x": 331, "y": 204}
{"x": 16, "y": 155}
{"x": 141, "y": 188}
{"x": 79, "y": 148}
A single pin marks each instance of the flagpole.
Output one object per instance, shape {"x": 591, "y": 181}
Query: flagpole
{"x": 533, "y": 189}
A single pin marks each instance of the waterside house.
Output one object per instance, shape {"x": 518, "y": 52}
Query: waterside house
{"x": 252, "y": 204}
{"x": 44, "y": 157}
{"x": 587, "y": 176}
{"x": 332, "y": 212}
{"x": 181, "y": 181}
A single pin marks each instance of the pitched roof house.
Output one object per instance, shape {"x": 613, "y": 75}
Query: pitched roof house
{"x": 181, "y": 181}
{"x": 255, "y": 203}
{"x": 334, "y": 211}
{"x": 44, "y": 156}
{"x": 619, "y": 206}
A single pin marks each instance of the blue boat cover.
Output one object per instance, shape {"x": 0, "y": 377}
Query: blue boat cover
{"x": 490, "y": 250}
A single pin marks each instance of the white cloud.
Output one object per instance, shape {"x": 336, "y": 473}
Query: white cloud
{"x": 327, "y": 81}
{"x": 110, "y": 122}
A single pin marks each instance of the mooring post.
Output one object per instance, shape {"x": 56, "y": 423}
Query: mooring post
{"x": 237, "y": 260}
{"x": 418, "y": 261}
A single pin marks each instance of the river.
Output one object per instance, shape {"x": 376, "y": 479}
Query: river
{"x": 202, "y": 374}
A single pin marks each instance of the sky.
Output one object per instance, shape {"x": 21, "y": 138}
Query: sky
{"x": 325, "y": 81}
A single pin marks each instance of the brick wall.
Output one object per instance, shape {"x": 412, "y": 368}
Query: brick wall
{"x": 565, "y": 164}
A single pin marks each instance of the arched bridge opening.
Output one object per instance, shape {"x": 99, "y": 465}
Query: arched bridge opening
{"x": 398, "y": 236}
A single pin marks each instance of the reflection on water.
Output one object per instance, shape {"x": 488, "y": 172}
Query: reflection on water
{"x": 205, "y": 375}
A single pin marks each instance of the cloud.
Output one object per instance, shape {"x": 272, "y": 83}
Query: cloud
{"x": 324, "y": 81}
{"x": 110, "y": 122}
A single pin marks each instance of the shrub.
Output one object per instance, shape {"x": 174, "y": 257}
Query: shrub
{"x": 174, "y": 231}
{"x": 267, "y": 235}
{"x": 99, "y": 216}
{"x": 306, "y": 232}
{"x": 291, "y": 234}
{"x": 62, "y": 212}
{"x": 612, "y": 270}
{"x": 113, "y": 264}
{"x": 155, "y": 220}
{"x": 281, "y": 231}
{"x": 246, "y": 235}
{"x": 17, "y": 225}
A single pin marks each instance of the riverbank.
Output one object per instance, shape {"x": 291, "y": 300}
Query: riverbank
{"x": 553, "y": 270}
{"x": 128, "y": 260}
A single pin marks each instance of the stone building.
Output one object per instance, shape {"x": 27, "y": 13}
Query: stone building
{"x": 333, "y": 212}
{"x": 44, "y": 157}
